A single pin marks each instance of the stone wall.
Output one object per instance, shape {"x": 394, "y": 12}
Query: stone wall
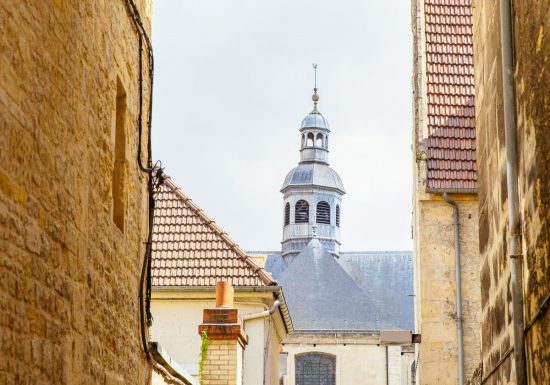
{"x": 433, "y": 248}
{"x": 532, "y": 50}
{"x": 436, "y": 288}
{"x": 69, "y": 309}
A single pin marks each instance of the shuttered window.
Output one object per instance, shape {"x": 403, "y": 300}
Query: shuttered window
{"x": 323, "y": 213}
{"x": 301, "y": 214}
{"x": 315, "y": 369}
{"x": 287, "y": 214}
{"x": 337, "y": 215}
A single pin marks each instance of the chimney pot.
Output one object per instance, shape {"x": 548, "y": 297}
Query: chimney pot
{"x": 224, "y": 295}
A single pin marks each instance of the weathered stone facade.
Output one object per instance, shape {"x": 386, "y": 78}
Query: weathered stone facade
{"x": 435, "y": 287}
{"x": 69, "y": 264}
{"x": 532, "y": 82}
{"x": 432, "y": 227}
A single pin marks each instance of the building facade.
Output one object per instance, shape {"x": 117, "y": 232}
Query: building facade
{"x": 191, "y": 253}
{"x": 515, "y": 116}
{"x": 73, "y": 200}
{"x": 445, "y": 206}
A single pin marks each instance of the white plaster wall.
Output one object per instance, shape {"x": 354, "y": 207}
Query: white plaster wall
{"x": 407, "y": 360}
{"x": 175, "y": 327}
{"x": 273, "y": 358}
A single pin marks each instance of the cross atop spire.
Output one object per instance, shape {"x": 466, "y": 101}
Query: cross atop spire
{"x": 315, "y": 97}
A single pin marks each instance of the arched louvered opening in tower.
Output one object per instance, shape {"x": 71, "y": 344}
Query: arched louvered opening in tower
{"x": 323, "y": 213}
{"x": 319, "y": 140}
{"x": 310, "y": 139}
{"x": 303, "y": 140}
{"x": 337, "y": 215}
{"x": 287, "y": 213}
{"x": 301, "y": 213}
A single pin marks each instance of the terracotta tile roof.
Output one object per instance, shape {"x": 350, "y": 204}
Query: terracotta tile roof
{"x": 450, "y": 89}
{"x": 190, "y": 249}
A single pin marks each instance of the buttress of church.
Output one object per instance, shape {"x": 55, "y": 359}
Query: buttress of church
{"x": 312, "y": 191}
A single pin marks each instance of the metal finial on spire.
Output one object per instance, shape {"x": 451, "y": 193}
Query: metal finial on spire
{"x": 315, "y": 97}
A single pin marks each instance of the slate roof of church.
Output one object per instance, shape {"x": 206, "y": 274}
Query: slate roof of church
{"x": 450, "y": 94}
{"x": 322, "y": 296}
{"x": 385, "y": 278}
{"x": 190, "y": 249}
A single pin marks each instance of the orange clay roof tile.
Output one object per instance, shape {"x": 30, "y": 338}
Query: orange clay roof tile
{"x": 450, "y": 88}
{"x": 189, "y": 249}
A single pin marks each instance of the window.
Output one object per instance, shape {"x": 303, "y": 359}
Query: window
{"x": 337, "y": 215}
{"x": 323, "y": 213}
{"x": 319, "y": 140}
{"x": 119, "y": 178}
{"x": 301, "y": 212}
{"x": 315, "y": 369}
{"x": 287, "y": 213}
{"x": 309, "y": 142}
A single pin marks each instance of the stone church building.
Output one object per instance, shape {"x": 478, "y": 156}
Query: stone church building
{"x": 352, "y": 311}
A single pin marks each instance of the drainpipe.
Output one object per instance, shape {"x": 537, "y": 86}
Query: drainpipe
{"x": 458, "y": 289}
{"x": 510, "y": 130}
{"x": 262, "y": 314}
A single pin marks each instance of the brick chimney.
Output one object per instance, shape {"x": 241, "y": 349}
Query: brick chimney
{"x": 224, "y": 328}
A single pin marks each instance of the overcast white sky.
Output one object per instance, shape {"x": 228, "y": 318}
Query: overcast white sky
{"x": 233, "y": 80}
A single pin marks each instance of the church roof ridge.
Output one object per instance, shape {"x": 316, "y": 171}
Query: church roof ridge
{"x": 322, "y": 296}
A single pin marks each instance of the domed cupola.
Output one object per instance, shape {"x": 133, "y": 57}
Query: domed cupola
{"x": 312, "y": 191}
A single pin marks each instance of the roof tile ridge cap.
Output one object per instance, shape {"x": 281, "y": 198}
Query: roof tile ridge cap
{"x": 194, "y": 206}
{"x": 264, "y": 277}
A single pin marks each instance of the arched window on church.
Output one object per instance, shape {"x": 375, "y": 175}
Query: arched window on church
{"x": 287, "y": 213}
{"x": 315, "y": 369}
{"x": 309, "y": 142}
{"x": 323, "y": 213}
{"x": 319, "y": 140}
{"x": 301, "y": 213}
{"x": 337, "y": 215}
{"x": 303, "y": 140}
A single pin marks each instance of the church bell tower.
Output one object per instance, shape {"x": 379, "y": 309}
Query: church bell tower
{"x": 312, "y": 191}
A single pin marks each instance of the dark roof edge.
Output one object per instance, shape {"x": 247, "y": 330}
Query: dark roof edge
{"x": 432, "y": 190}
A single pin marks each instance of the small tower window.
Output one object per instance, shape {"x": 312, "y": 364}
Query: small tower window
{"x": 337, "y": 215}
{"x": 319, "y": 140}
{"x": 303, "y": 140}
{"x": 323, "y": 213}
{"x": 301, "y": 213}
{"x": 287, "y": 213}
{"x": 309, "y": 142}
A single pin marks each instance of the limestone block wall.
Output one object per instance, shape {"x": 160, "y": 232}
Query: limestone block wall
{"x": 436, "y": 288}
{"x": 532, "y": 81}
{"x": 68, "y": 273}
